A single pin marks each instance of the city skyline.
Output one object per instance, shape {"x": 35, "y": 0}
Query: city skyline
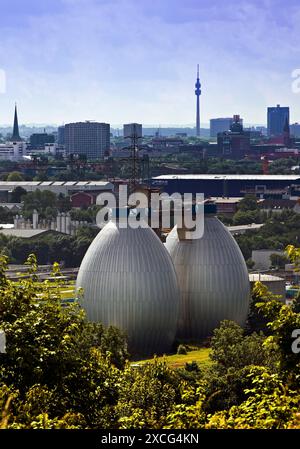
{"x": 136, "y": 61}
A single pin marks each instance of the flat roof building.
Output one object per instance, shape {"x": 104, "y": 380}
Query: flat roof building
{"x": 277, "y": 118}
{"x": 214, "y": 185}
{"x": 133, "y": 130}
{"x": 91, "y": 139}
{"x": 219, "y": 125}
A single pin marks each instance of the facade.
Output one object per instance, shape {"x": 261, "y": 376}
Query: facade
{"x": 129, "y": 281}
{"x": 212, "y": 278}
{"x": 13, "y": 151}
{"x": 226, "y": 206}
{"x": 219, "y": 125}
{"x": 212, "y": 185}
{"x": 277, "y": 118}
{"x": 261, "y": 258}
{"x": 82, "y": 199}
{"x": 295, "y": 129}
{"x": 235, "y": 143}
{"x": 61, "y": 135}
{"x": 165, "y": 143}
{"x": 91, "y": 139}
{"x": 133, "y": 130}
{"x": 39, "y": 140}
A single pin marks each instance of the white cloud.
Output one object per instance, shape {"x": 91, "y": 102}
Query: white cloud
{"x": 129, "y": 60}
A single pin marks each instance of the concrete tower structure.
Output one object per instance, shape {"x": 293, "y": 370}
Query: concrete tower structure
{"x": 198, "y": 93}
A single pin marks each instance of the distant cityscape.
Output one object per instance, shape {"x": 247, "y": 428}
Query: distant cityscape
{"x": 227, "y": 137}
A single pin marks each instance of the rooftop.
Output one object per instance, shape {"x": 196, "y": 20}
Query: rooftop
{"x": 254, "y": 277}
{"x": 231, "y": 177}
{"x": 247, "y": 227}
{"x": 25, "y": 233}
{"x": 53, "y": 183}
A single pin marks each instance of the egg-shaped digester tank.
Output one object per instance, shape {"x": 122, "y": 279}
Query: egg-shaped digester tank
{"x": 129, "y": 281}
{"x": 212, "y": 277}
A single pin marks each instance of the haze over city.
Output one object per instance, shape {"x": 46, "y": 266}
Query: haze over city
{"x": 69, "y": 60}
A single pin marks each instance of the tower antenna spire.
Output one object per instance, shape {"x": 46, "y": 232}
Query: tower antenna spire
{"x": 198, "y": 93}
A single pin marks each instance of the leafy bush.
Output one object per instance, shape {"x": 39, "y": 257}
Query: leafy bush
{"x": 181, "y": 349}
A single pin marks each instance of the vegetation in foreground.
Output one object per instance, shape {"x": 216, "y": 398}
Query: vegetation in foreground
{"x": 61, "y": 371}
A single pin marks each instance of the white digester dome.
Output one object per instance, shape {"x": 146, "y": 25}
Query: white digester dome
{"x": 129, "y": 281}
{"x": 212, "y": 277}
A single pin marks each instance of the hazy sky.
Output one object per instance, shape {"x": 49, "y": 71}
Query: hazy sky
{"x": 135, "y": 60}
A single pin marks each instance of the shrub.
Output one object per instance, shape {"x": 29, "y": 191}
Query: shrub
{"x": 181, "y": 349}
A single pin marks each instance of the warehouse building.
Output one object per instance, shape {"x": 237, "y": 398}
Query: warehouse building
{"x": 57, "y": 187}
{"x": 213, "y": 185}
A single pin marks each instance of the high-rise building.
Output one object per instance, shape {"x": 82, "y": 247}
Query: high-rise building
{"x": 198, "y": 93}
{"x": 91, "y": 139}
{"x": 133, "y": 129}
{"x": 61, "y": 135}
{"x": 219, "y": 125}
{"x": 277, "y": 117}
{"x": 15, "y": 135}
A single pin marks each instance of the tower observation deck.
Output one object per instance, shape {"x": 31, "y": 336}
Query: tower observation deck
{"x": 198, "y": 93}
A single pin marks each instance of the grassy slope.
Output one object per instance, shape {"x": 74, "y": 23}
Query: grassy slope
{"x": 201, "y": 356}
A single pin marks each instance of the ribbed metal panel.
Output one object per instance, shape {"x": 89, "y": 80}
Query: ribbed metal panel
{"x": 129, "y": 281}
{"x": 213, "y": 280}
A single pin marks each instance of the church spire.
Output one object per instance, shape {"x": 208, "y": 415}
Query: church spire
{"x": 16, "y": 136}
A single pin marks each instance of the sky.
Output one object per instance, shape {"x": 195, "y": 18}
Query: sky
{"x": 120, "y": 61}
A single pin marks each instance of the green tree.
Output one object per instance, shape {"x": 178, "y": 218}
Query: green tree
{"x": 44, "y": 201}
{"x": 249, "y": 202}
{"x": 278, "y": 261}
{"x": 15, "y": 176}
{"x": 17, "y": 194}
{"x": 58, "y": 367}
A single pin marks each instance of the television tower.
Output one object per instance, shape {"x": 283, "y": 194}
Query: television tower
{"x": 198, "y": 93}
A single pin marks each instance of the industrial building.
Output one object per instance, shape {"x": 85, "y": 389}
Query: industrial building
{"x": 129, "y": 281}
{"x": 230, "y": 185}
{"x": 234, "y": 143}
{"x": 57, "y": 187}
{"x": 212, "y": 278}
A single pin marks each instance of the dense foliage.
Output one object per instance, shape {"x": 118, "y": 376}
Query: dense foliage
{"x": 279, "y": 230}
{"x": 49, "y": 248}
{"x": 61, "y": 371}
